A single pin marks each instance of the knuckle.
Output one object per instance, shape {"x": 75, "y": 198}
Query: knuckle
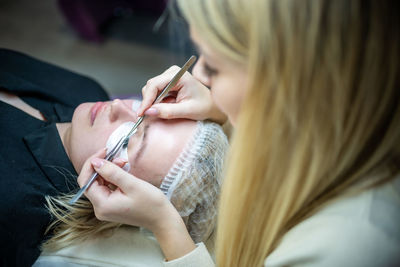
{"x": 129, "y": 187}
{"x": 99, "y": 212}
{"x": 158, "y": 200}
{"x": 144, "y": 89}
{"x": 167, "y": 114}
{"x": 104, "y": 212}
{"x": 173, "y": 67}
{"x": 100, "y": 215}
{"x": 80, "y": 182}
{"x": 114, "y": 175}
{"x": 149, "y": 82}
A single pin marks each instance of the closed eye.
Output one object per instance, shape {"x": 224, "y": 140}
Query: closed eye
{"x": 209, "y": 71}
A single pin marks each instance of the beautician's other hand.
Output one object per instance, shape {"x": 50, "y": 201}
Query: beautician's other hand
{"x": 135, "y": 202}
{"x": 193, "y": 99}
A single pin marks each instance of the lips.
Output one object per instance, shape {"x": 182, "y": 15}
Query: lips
{"x": 94, "y": 110}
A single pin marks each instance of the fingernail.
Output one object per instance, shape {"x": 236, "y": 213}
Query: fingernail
{"x": 151, "y": 112}
{"x": 120, "y": 160}
{"x": 96, "y": 162}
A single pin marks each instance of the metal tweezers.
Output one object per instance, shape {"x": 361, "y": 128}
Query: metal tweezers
{"x": 123, "y": 142}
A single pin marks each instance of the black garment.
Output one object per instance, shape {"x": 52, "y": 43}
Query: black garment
{"x": 33, "y": 161}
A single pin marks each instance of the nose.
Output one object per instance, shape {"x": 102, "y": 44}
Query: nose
{"x": 121, "y": 111}
{"x": 199, "y": 74}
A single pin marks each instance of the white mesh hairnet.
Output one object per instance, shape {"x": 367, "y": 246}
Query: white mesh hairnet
{"x": 194, "y": 181}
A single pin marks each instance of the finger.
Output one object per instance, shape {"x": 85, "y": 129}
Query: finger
{"x": 97, "y": 193}
{"x": 114, "y": 174}
{"x": 120, "y": 162}
{"x": 155, "y": 85}
{"x": 172, "y": 111}
{"x": 87, "y": 170}
{"x": 149, "y": 95}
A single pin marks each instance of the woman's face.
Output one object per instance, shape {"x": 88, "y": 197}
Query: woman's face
{"x": 151, "y": 151}
{"x": 226, "y": 79}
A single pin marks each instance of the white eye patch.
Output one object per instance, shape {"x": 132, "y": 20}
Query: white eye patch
{"x": 120, "y": 132}
{"x": 136, "y": 105}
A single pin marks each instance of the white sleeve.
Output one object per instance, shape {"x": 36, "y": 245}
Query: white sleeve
{"x": 199, "y": 257}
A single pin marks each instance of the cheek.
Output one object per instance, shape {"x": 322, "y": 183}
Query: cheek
{"x": 83, "y": 145}
{"x": 84, "y": 140}
{"x": 80, "y": 114}
{"x": 228, "y": 96}
{"x": 78, "y": 135}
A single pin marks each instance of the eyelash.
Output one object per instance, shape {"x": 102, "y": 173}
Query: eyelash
{"x": 209, "y": 71}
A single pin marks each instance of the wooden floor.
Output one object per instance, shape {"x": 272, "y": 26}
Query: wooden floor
{"x": 37, "y": 27}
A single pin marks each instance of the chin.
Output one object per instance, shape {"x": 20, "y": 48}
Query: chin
{"x": 81, "y": 114}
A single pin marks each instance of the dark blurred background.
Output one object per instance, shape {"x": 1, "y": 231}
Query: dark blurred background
{"x": 119, "y": 43}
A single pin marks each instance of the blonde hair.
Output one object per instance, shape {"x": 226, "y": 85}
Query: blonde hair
{"x": 321, "y": 112}
{"x": 73, "y": 223}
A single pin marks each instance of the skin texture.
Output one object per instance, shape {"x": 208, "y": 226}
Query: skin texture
{"x": 226, "y": 79}
{"x": 164, "y": 140}
{"x": 193, "y": 99}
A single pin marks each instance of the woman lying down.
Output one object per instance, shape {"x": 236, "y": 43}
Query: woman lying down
{"x": 54, "y": 120}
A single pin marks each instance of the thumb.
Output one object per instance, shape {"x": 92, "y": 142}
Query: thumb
{"x": 170, "y": 110}
{"x": 114, "y": 174}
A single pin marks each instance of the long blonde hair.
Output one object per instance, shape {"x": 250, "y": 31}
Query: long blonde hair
{"x": 73, "y": 224}
{"x": 321, "y": 112}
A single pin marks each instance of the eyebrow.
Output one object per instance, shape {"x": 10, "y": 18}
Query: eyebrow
{"x": 142, "y": 145}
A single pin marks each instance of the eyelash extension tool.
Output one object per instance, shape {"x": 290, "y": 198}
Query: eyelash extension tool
{"x": 123, "y": 142}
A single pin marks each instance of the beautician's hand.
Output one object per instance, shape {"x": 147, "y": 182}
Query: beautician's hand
{"x": 135, "y": 202}
{"x": 193, "y": 99}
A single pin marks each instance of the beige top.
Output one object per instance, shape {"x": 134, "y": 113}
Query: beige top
{"x": 126, "y": 246}
{"x": 361, "y": 230}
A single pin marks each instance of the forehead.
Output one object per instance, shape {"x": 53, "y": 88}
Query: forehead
{"x": 200, "y": 45}
{"x": 165, "y": 140}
